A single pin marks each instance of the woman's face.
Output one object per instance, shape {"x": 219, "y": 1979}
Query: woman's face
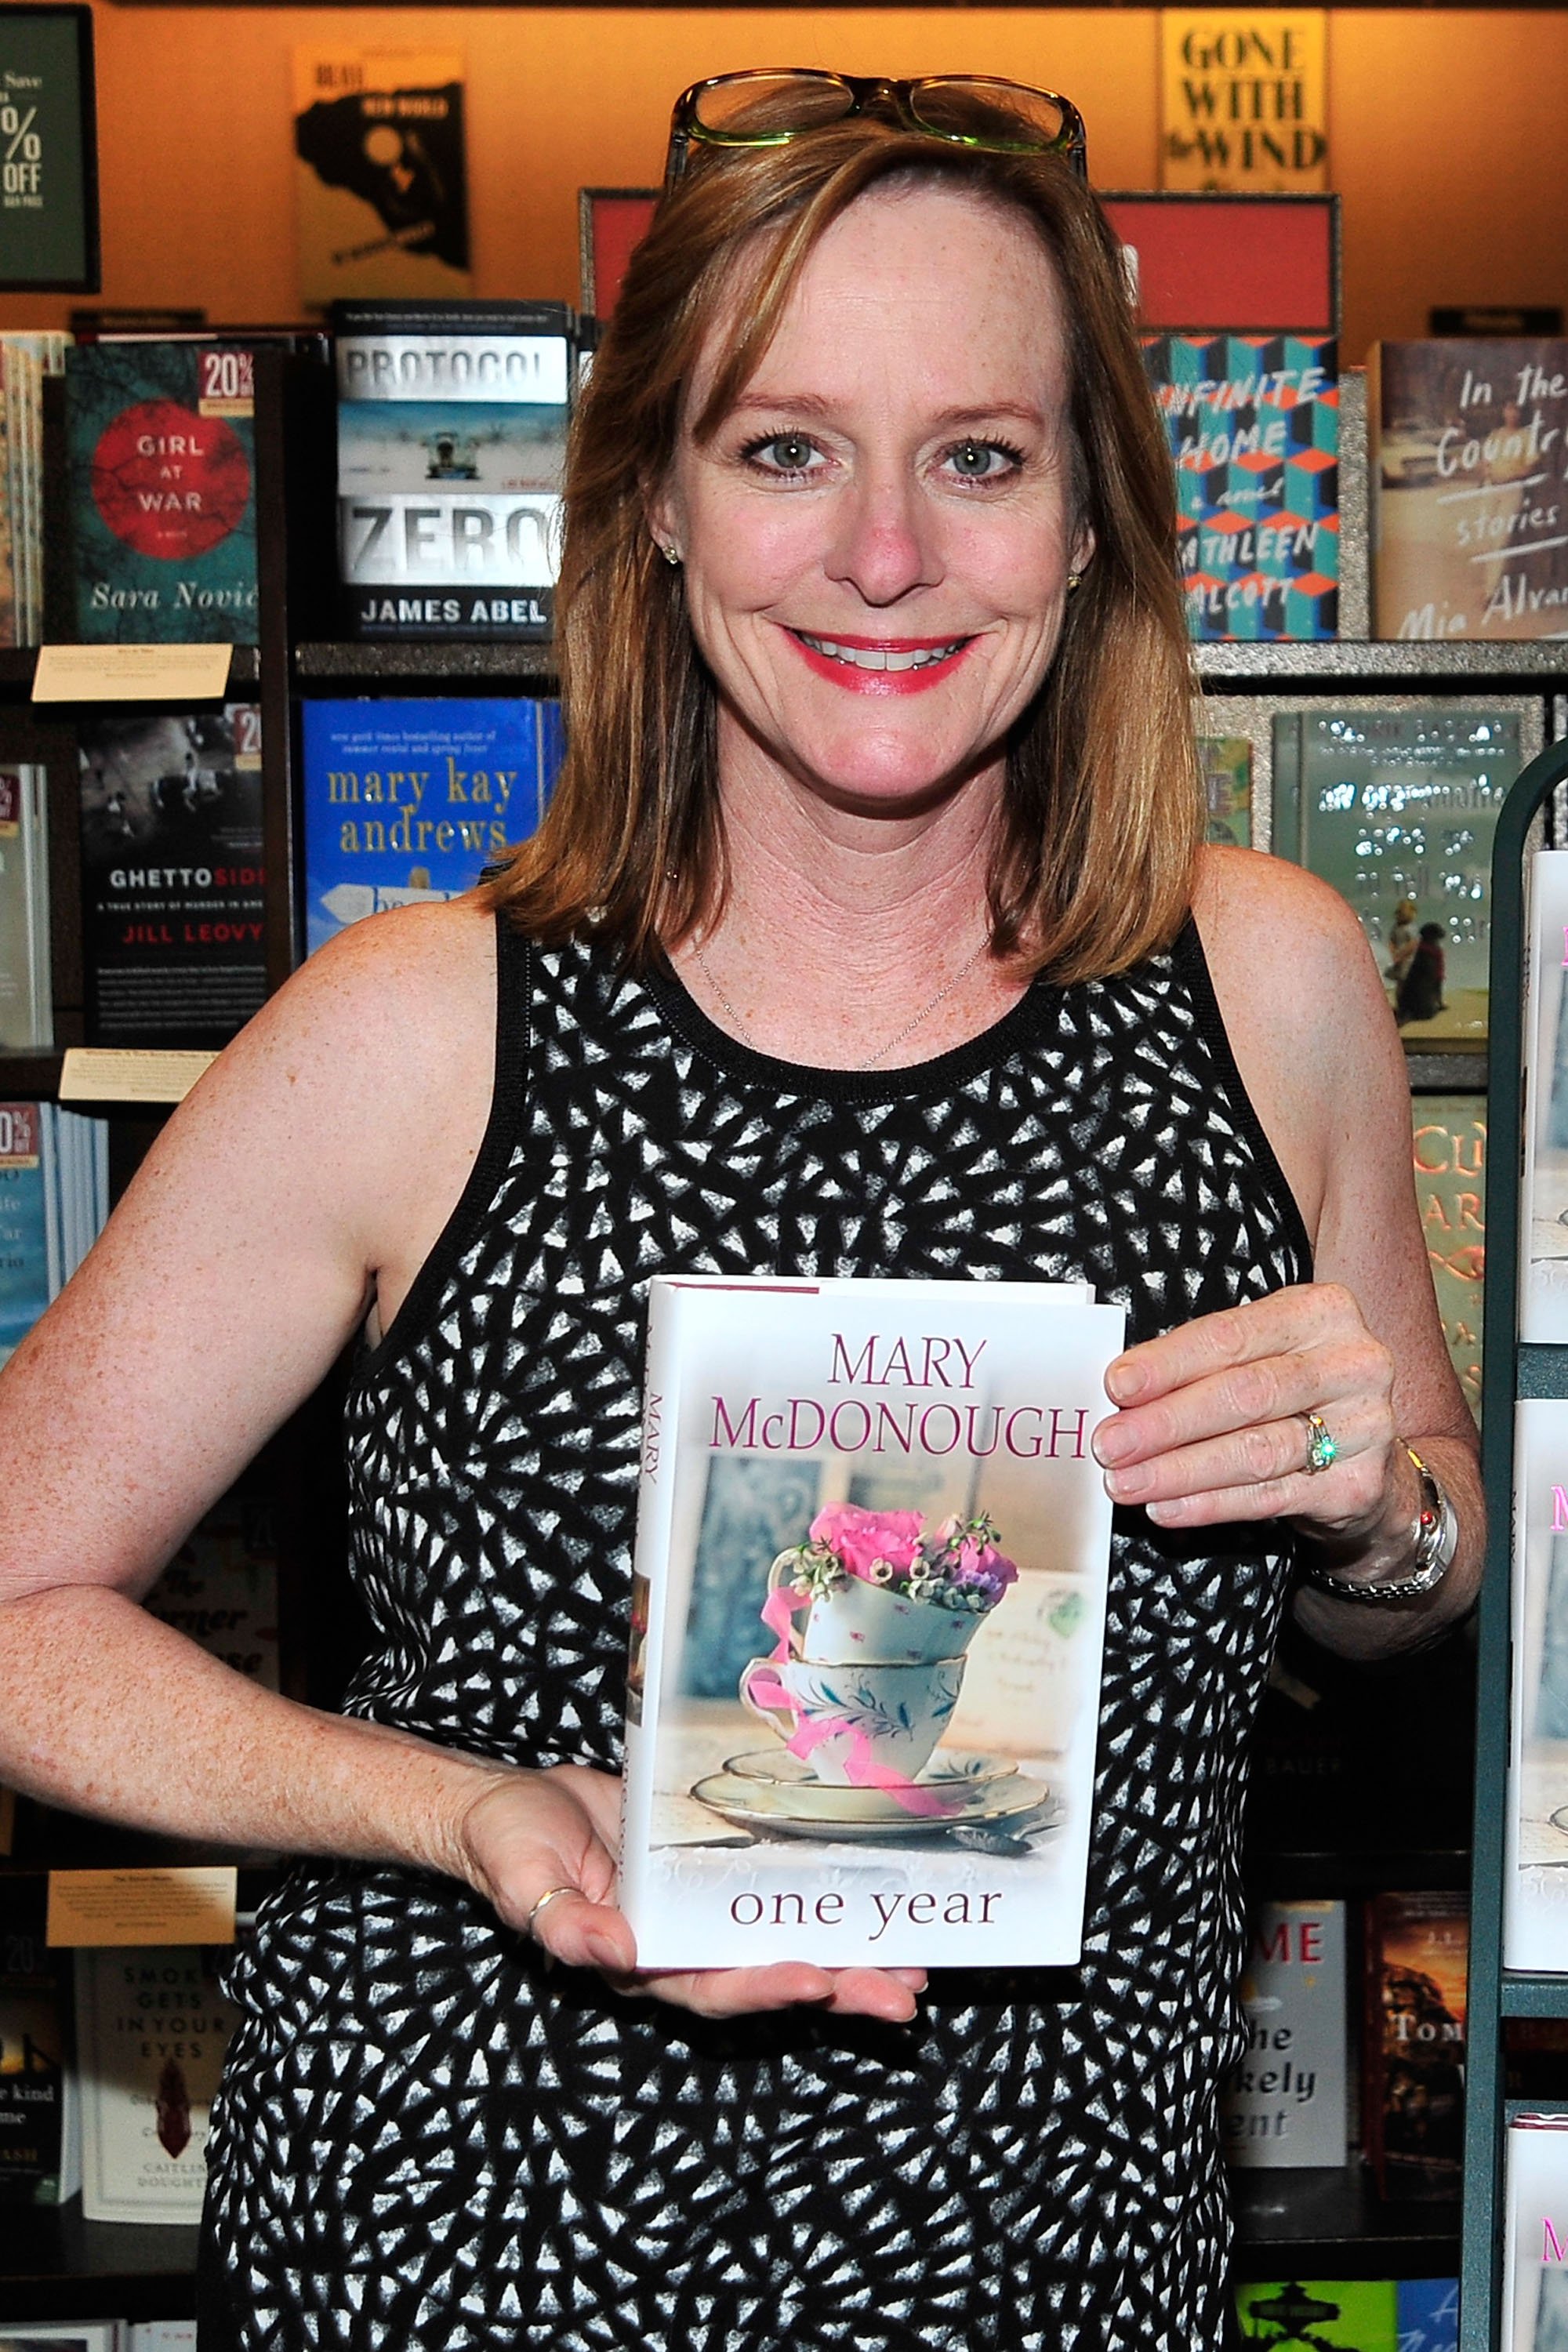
{"x": 878, "y": 538}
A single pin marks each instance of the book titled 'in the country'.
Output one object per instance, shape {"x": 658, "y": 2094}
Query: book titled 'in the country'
{"x": 867, "y": 1614}
{"x": 1253, "y": 425}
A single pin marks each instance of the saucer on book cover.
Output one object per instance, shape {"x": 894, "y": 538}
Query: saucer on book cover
{"x": 777, "y": 1796}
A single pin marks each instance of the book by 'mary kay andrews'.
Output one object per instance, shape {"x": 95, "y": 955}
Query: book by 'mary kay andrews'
{"x": 867, "y": 1614}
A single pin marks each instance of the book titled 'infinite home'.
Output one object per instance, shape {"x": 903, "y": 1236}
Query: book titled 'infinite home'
{"x": 867, "y": 1622}
{"x": 1253, "y": 425}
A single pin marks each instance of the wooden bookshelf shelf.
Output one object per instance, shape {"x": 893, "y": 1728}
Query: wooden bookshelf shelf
{"x": 58, "y": 2266}
{"x": 29, "y": 1078}
{"x": 444, "y": 662}
{"x": 1386, "y": 662}
{"x": 1330, "y": 2222}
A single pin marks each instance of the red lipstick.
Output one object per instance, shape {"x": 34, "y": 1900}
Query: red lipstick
{"x": 908, "y": 678}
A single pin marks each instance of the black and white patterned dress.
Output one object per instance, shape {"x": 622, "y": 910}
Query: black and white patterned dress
{"x": 428, "y": 2143}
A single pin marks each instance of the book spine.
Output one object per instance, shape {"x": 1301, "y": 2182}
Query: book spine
{"x": 650, "y": 1559}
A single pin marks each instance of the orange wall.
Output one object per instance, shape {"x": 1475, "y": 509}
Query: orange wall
{"x": 1445, "y": 127}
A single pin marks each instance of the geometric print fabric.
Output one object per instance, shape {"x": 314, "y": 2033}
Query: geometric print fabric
{"x": 426, "y": 2141}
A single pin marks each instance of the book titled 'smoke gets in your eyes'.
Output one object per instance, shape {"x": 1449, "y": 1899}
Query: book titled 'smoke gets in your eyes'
{"x": 868, "y": 1616}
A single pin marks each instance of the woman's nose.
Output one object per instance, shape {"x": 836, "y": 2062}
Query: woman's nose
{"x": 884, "y": 543}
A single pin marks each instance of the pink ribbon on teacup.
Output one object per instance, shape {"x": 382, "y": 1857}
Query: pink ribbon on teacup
{"x": 861, "y": 1768}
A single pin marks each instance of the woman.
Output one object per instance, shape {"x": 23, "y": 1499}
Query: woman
{"x": 857, "y": 939}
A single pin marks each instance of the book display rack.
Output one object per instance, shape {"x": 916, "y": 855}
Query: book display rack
{"x": 1324, "y": 2221}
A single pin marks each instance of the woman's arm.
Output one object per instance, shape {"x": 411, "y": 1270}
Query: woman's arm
{"x": 1212, "y": 1425}
{"x": 301, "y": 1185}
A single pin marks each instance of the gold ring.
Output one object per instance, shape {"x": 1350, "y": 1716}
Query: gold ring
{"x": 1322, "y": 1452}
{"x": 549, "y": 1897}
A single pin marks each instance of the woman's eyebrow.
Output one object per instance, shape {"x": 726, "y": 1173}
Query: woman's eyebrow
{"x": 814, "y": 403}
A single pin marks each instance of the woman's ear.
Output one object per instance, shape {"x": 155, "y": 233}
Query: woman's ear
{"x": 658, "y": 508}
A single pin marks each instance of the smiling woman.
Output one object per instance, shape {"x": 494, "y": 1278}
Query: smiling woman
{"x": 867, "y": 935}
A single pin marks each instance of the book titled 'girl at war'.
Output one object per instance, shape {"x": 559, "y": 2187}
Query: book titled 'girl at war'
{"x": 867, "y": 1615}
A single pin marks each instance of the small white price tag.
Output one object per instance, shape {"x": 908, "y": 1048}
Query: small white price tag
{"x": 194, "y": 1904}
{"x": 129, "y": 1074}
{"x": 130, "y": 673}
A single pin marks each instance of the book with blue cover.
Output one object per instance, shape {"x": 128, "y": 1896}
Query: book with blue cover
{"x": 411, "y": 801}
{"x": 1253, "y": 425}
{"x": 54, "y": 1200}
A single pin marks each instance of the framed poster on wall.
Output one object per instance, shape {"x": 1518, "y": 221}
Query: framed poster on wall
{"x": 48, "y": 152}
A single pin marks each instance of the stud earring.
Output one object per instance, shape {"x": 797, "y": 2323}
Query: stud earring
{"x": 670, "y": 554}
{"x": 1075, "y": 580}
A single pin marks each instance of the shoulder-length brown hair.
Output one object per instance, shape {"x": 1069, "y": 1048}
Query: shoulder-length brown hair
{"x": 1100, "y": 813}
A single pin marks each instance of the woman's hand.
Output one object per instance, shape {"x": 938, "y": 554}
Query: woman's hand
{"x": 527, "y": 1834}
{"x": 1212, "y": 1425}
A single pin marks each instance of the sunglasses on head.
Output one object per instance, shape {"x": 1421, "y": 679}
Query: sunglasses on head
{"x": 769, "y": 106}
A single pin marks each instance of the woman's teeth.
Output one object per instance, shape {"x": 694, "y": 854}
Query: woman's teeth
{"x": 880, "y": 657}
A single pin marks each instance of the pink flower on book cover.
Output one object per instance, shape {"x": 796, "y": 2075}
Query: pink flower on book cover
{"x": 957, "y": 1565}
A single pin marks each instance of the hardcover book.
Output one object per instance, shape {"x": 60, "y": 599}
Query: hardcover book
{"x": 1429, "y": 2315}
{"x": 151, "y": 2027}
{"x": 220, "y": 1589}
{"x": 173, "y": 912}
{"x": 1359, "y": 2315}
{"x": 1544, "y": 1202}
{"x": 54, "y": 1200}
{"x": 63, "y": 2336}
{"x": 1535, "y": 1881}
{"x": 1253, "y": 424}
{"x": 1535, "y": 2234}
{"x": 26, "y": 1012}
{"x": 381, "y": 177}
{"x": 1413, "y": 2105}
{"x": 407, "y": 801}
{"x": 1285, "y": 2102}
{"x": 163, "y": 456}
{"x": 1396, "y": 804}
{"x": 451, "y": 447}
{"x": 867, "y": 1614}
{"x": 40, "y": 2136}
{"x": 1448, "y": 1142}
{"x": 1469, "y": 454}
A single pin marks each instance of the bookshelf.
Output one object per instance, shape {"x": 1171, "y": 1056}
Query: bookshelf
{"x": 1322, "y": 2224}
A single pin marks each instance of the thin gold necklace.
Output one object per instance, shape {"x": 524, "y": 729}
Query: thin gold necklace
{"x": 882, "y": 1052}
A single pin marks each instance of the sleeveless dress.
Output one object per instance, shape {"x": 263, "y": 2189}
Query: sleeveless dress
{"x": 428, "y": 2140}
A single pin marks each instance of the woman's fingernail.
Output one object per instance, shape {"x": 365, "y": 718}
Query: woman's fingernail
{"x": 1166, "y": 1515}
{"x": 1125, "y": 1379}
{"x": 1111, "y": 1442}
{"x": 1122, "y": 1485}
{"x": 603, "y": 1953}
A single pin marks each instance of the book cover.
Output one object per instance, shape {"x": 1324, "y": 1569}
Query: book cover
{"x": 1253, "y": 425}
{"x": 1428, "y": 2312}
{"x": 1535, "y": 1881}
{"x": 63, "y": 2336}
{"x": 172, "y": 910}
{"x": 29, "y": 1220}
{"x": 1226, "y": 763}
{"x": 381, "y": 174}
{"x": 1535, "y": 2234}
{"x": 163, "y": 473}
{"x": 1544, "y": 1201}
{"x": 1333, "y": 2315}
{"x": 1470, "y": 516}
{"x": 1285, "y": 2104}
{"x": 406, "y": 801}
{"x": 162, "y": 2335}
{"x": 451, "y": 449}
{"x": 1397, "y": 806}
{"x": 40, "y": 2138}
{"x": 27, "y": 1010}
{"x": 867, "y": 1614}
{"x": 151, "y": 2027}
{"x": 1413, "y": 2105}
{"x": 220, "y": 1589}
{"x": 1448, "y": 1145}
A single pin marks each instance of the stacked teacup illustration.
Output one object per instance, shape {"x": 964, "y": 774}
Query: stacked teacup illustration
{"x": 873, "y": 1613}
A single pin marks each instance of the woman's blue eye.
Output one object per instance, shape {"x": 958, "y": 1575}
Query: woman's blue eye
{"x": 790, "y": 452}
{"x": 974, "y": 459}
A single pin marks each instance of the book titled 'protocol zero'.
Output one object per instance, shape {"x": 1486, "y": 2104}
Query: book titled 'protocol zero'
{"x": 868, "y": 1616}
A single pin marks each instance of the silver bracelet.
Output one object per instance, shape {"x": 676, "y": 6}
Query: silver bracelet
{"x": 1434, "y": 1538}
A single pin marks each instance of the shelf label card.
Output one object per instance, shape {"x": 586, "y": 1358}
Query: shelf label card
{"x": 130, "y": 1074}
{"x": 193, "y": 1904}
{"x": 132, "y": 673}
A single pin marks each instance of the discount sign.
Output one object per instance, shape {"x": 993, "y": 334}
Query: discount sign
{"x": 49, "y": 213}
